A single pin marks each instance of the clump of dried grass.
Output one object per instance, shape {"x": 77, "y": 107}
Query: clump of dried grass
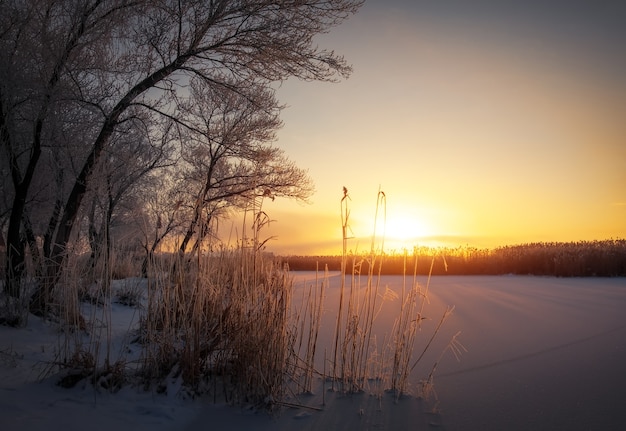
{"x": 130, "y": 294}
{"x": 360, "y": 360}
{"x": 306, "y": 323}
{"x": 222, "y": 321}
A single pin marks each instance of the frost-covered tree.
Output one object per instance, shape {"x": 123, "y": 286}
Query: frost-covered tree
{"x": 116, "y": 185}
{"x": 227, "y": 158}
{"x": 76, "y": 73}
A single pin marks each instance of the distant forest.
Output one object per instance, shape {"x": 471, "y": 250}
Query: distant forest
{"x": 560, "y": 259}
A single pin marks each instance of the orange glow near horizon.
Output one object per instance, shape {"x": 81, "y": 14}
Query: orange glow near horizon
{"x": 301, "y": 230}
{"x": 483, "y": 131}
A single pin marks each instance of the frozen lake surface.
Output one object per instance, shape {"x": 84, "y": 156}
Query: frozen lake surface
{"x": 542, "y": 353}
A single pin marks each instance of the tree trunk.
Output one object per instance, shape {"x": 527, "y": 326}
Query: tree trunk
{"x": 15, "y": 244}
{"x": 15, "y": 251}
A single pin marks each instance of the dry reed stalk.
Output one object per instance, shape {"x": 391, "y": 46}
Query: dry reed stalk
{"x": 345, "y": 215}
{"x": 315, "y": 303}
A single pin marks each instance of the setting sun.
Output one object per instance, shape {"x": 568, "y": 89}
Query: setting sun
{"x": 403, "y": 228}
{"x": 398, "y": 224}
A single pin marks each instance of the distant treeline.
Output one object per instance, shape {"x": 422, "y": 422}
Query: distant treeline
{"x": 561, "y": 259}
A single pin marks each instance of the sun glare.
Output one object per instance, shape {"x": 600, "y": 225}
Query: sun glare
{"x": 403, "y": 230}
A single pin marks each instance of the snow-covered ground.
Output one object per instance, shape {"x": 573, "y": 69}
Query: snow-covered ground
{"x": 542, "y": 354}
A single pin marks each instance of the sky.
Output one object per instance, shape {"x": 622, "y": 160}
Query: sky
{"x": 485, "y": 123}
